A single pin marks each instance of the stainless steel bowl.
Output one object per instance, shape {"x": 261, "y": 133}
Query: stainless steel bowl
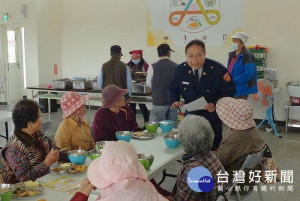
{"x": 100, "y": 145}
{"x": 172, "y": 135}
{"x": 167, "y": 122}
{"x": 146, "y": 160}
{"x": 78, "y": 152}
{"x": 3, "y": 187}
{"x": 93, "y": 154}
{"x": 124, "y": 133}
{"x": 54, "y": 168}
{"x": 152, "y": 123}
{"x": 102, "y": 142}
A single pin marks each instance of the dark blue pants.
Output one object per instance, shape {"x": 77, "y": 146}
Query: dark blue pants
{"x": 215, "y": 122}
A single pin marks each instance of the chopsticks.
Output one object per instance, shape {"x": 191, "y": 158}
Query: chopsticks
{"x": 62, "y": 149}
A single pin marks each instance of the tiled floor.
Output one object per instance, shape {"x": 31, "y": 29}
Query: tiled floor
{"x": 285, "y": 151}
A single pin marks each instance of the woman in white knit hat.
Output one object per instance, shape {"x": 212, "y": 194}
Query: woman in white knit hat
{"x": 241, "y": 65}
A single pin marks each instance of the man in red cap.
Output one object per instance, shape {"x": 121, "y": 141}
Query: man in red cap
{"x": 138, "y": 68}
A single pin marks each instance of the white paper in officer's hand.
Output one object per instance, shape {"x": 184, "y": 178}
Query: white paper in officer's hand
{"x": 198, "y": 104}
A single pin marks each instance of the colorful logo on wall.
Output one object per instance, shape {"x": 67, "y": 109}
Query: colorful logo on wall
{"x": 194, "y": 16}
{"x": 200, "y": 179}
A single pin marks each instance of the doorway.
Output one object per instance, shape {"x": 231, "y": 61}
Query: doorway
{"x": 15, "y": 60}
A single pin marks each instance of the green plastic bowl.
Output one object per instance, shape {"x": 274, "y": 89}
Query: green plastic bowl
{"x": 6, "y": 196}
{"x": 151, "y": 127}
{"x": 146, "y": 160}
{"x": 93, "y": 154}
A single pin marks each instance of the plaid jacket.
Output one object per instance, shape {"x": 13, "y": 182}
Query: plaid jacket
{"x": 185, "y": 193}
{"x": 236, "y": 146}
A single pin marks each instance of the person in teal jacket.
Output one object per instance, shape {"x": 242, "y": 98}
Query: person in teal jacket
{"x": 241, "y": 66}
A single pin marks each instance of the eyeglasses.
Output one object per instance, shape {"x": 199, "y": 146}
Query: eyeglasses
{"x": 199, "y": 55}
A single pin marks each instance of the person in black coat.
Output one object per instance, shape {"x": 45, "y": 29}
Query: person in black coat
{"x": 197, "y": 77}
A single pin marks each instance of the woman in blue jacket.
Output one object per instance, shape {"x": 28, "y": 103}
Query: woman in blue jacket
{"x": 241, "y": 65}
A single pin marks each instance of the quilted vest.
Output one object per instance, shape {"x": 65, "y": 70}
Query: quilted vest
{"x": 114, "y": 72}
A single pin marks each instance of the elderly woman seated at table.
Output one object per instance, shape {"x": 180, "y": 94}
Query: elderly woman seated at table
{"x": 74, "y": 132}
{"x": 243, "y": 138}
{"x": 196, "y": 137}
{"x": 114, "y": 115}
{"x": 28, "y": 153}
{"x": 119, "y": 175}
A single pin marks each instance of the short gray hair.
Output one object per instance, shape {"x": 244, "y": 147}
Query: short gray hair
{"x": 196, "y": 135}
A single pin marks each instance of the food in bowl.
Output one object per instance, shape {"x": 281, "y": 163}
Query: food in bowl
{"x": 124, "y": 135}
{"x": 23, "y": 191}
{"x": 31, "y": 184}
{"x": 146, "y": 160}
{"x": 65, "y": 165}
{"x": 139, "y": 133}
{"x": 93, "y": 154}
{"x": 4, "y": 190}
{"x": 27, "y": 193}
{"x": 57, "y": 169}
{"x": 75, "y": 169}
{"x": 166, "y": 126}
{"x": 151, "y": 126}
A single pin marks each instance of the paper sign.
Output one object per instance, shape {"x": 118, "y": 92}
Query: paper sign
{"x": 195, "y": 105}
{"x": 55, "y": 69}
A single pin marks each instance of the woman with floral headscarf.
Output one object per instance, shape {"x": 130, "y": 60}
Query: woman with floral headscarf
{"x": 74, "y": 132}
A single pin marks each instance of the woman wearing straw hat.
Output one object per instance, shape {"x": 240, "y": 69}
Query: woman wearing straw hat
{"x": 74, "y": 132}
{"x": 114, "y": 115}
{"x": 130, "y": 182}
{"x": 243, "y": 138}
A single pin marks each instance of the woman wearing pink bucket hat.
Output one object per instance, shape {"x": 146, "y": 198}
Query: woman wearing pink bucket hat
{"x": 242, "y": 139}
{"x": 119, "y": 175}
{"x": 74, "y": 132}
{"x": 114, "y": 115}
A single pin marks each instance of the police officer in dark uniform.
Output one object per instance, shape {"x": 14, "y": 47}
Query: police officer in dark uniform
{"x": 198, "y": 77}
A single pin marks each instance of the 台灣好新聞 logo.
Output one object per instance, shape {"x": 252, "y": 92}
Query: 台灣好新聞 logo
{"x": 200, "y": 179}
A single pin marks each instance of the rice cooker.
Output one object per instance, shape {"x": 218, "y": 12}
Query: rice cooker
{"x": 294, "y": 92}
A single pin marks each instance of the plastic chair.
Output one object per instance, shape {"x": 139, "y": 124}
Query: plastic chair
{"x": 251, "y": 162}
{"x": 228, "y": 192}
{"x": 46, "y": 127}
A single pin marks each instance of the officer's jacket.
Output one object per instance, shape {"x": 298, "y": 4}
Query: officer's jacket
{"x": 215, "y": 83}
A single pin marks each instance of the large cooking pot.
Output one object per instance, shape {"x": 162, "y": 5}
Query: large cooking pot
{"x": 294, "y": 92}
